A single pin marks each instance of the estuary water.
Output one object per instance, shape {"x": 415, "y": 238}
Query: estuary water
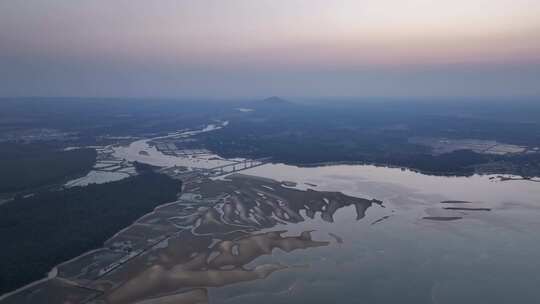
{"x": 434, "y": 240}
{"x": 366, "y": 234}
{"x": 143, "y": 151}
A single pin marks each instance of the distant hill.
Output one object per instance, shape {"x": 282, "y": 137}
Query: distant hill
{"x": 274, "y": 100}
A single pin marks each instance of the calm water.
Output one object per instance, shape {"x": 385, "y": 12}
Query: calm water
{"x": 142, "y": 151}
{"x": 393, "y": 255}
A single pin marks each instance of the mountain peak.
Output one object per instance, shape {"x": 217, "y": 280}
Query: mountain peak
{"x": 275, "y": 100}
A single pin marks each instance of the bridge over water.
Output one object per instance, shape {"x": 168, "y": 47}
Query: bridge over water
{"x": 238, "y": 166}
{"x": 229, "y": 168}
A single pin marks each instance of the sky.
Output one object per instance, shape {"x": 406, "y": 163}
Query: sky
{"x": 258, "y": 48}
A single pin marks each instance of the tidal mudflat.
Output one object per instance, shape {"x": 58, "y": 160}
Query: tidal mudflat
{"x": 284, "y": 234}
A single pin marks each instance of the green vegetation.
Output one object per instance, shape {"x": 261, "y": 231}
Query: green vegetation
{"x": 42, "y": 231}
{"x": 26, "y": 166}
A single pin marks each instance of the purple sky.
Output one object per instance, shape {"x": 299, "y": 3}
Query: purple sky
{"x": 246, "y": 48}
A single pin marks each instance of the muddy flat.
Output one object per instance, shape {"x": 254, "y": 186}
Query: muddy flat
{"x": 467, "y": 209}
{"x": 442, "y": 218}
{"x": 456, "y": 202}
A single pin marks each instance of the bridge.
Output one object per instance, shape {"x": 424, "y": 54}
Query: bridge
{"x": 238, "y": 166}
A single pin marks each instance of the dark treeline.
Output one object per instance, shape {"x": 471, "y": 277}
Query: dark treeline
{"x": 24, "y": 166}
{"x": 90, "y": 118}
{"x": 376, "y": 134}
{"x": 42, "y": 231}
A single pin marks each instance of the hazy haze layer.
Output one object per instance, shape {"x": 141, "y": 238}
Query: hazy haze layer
{"x": 257, "y": 48}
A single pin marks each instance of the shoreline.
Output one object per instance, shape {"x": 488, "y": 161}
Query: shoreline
{"x": 508, "y": 176}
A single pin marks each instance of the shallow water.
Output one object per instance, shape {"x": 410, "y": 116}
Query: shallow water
{"x": 141, "y": 151}
{"x": 97, "y": 177}
{"x": 432, "y": 240}
{"x": 394, "y": 255}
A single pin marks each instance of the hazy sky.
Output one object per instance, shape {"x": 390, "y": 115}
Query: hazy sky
{"x": 254, "y": 48}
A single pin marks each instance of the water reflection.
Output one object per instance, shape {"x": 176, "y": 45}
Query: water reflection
{"x": 438, "y": 240}
{"x": 221, "y": 243}
{"x": 248, "y": 203}
{"x": 219, "y": 265}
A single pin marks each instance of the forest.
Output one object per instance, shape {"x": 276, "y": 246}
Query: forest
{"x": 380, "y": 133}
{"x": 25, "y": 166}
{"x": 51, "y": 227}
